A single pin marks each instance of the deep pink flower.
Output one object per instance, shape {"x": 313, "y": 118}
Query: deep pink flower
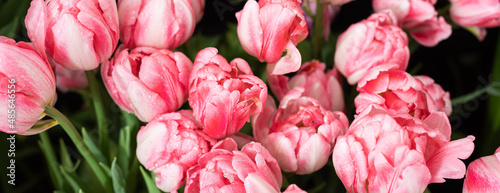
{"x": 162, "y": 24}
{"x": 146, "y": 81}
{"x": 399, "y": 92}
{"x": 419, "y": 17}
{"x": 483, "y": 174}
{"x": 268, "y": 28}
{"x": 77, "y": 34}
{"x": 224, "y": 95}
{"x": 383, "y": 152}
{"x": 301, "y": 134}
{"x": 28, "y": 87}
{"x": 169, "y": 145}
{"x": 227, "y": 170}
{"x": 477, "y": 14}
{"x": 370, "y": 43}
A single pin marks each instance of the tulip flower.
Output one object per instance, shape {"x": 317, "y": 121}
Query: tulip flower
{"x": 385, "y": 152}
{"x": 224, "y": 95}
{"x": 399, "y": 92}
{"x": 370, "y": 43}
{"x": 146, "y": 81}
{"x": 162, "y": 24}
{"x": 69, "y": 79}
{"x": 477, "y": 15}
{"x": 29, "y": 86}
{"x": 169, "y": 145}
{"x": 268, "y": 28}
{"x": 302, "y": 134}
{"x": 324, "y": 87}
{"x": 419, "y": 17}
{"x": 226, "y": 169}
{"x": 483, "y": 174}
{"x": 77, "y": 34}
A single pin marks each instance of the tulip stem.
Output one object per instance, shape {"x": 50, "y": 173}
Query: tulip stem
{"x": 78, "y": 141}
{"x": 99, "y": 111}
{"x": 317, "y": 35}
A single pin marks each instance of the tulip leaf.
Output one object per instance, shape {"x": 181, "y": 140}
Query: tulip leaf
{"x": 106, "y": 169}
{"x": 117, "y": 177}
{"x": 123, "y": 154}
{"x": 93, "y": 147}
{"x": 150, "y": 184}
{"x": 67, "y": 164}
{"x": 48, "y": 152}
{"x": 72, "y": 180}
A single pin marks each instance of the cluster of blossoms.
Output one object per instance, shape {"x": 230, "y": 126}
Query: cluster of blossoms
{"x": 399, "y": 140}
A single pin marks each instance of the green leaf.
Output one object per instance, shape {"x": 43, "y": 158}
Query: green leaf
{"x": 123, "y": 155}
{"x": 52, "y": 162}
{"x": 106, "y": 169}
{"x": 117, "y": 177}
{"x": 71, "y": 179}
{"x": 150, "y": 184}
{"x": 93, "y": 147}
{"x": 67, "y": 164}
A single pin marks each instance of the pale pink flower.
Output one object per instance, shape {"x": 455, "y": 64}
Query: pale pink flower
{"x": 383, "y": 152}
{"x": 224, "y": 95}
{"x": 69, "y": 79}
{"x": 28, "y": 87}
{"x": 399, "y": 92}
{"x": 146, "y": 81}
{"x": 162, "y": 24}
{"x": 268, "y": 28}
{"x": 483, "y": 174}
{"x": 476, "y": 14}
{"x": 324, "y": 86}
{"x": 77, "y": 34}
{"x": 227, "y": 170}
{"x": 419, "y": 17}
{"x": 169, "y": 145}
{"x": 370, "y": 43}
{"x": 302, "y": 134}
{"x": 198, "y": 8}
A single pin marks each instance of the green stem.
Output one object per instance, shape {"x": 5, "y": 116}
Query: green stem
{"x": 48, "y": 151}
{"x": 318, "y": 31}
{"x": 78, "y": 141}
{"x": 99, "y": 111}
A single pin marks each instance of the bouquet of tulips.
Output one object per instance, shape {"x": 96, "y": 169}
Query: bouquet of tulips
{"x": 290, "y": 96}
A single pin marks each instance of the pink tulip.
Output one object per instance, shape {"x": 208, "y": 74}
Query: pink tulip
{"x": 162, "y": 24}
{"x": 146, "y": 81}
{"x": 198, "y": 8}
{"x": 302, "y": 134}
{"x": 29, "y": 86}
{"x": 483, "y": 174}
{"x": 169, "y": 145}
{"x": 370, "y": 43}
{"x": 268, "y": 28}
{"x": 69, "y": 79}
{"x": 77, "y": 34}
{"x": 438, "y": 95}
{"x": 476, "y": 14}
{"x": 419, "y": 17}
{"x": 383, "y": 152}
{"x": 324, "y": 87}
{"x": 225, "y": 169}
{"x": 224, "y": 95}
{"x": 399, "y": 92}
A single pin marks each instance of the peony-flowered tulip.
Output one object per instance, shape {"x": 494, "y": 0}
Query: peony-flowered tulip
{"x": 169, "y": 145}
{"x": 483, "y": 174}
{"x": 78, "y": 34}
{"x": 324, "y": 87}
{"x": 28, "y": 87}
{"x": 383, "y": 152}
{"x": 370, "y": 43}
{"x": 146, "y": 81}
{"x": 224, "y": 95}
{"x": 268, "y": 28}
{"x": 302, "y": 134}
{"x": 476, "y": 14}
{"x": 162, "y": 24}
{"x": 69, "y": 79}
{"x": 419, "y": 17}
{"x": 399, "y": 92}
{"x": 225, "y": 169}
